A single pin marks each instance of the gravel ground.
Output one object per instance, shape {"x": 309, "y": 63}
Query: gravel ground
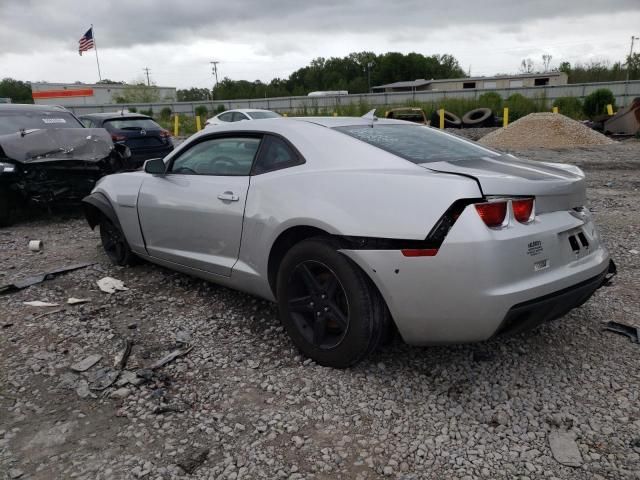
{"x": 243, "y": 404}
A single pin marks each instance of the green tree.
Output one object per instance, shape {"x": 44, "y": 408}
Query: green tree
{"x": 17, "y": 90}
{"x": 596, "y": 102}
{"x": 193, "y": 94}
{"x": 139, "y": 93}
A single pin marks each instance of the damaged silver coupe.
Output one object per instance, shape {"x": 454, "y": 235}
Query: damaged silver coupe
{"x": 47, "y": 156}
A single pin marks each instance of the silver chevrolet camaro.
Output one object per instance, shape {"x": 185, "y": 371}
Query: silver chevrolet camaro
{"x": 359, "y": 227}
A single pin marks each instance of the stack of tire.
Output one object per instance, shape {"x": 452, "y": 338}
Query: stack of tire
{"x": 477, "y": 118}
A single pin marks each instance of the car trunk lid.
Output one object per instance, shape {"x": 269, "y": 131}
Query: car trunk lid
{"x": 555, "y": 186}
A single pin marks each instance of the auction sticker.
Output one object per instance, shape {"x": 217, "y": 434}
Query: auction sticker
{"x": 534, "y": 248}
{"x": 54, "y": 120}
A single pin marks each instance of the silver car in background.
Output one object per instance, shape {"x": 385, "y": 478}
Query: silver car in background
{"x": 358, "y": 227}
{"x": 239, "y": 115}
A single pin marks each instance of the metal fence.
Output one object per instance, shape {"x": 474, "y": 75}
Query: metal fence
{"x": 624, "y": 92}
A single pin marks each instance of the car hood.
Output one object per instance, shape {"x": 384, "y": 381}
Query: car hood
{"x": 55, "y": 144}
{"x": 556, "y": 186}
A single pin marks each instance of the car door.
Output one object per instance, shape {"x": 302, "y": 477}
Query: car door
{"x": 193, "y": 214}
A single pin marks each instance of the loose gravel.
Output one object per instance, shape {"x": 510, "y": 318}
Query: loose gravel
{"x": 548, "y": 130}
{"x": 559, "y": 403}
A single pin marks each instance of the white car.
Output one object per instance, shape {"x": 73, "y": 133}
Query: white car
{"x": 239, "y": 115}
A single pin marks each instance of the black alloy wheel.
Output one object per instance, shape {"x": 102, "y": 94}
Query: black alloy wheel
{"x": 318, "y": 304}
{"x": 115, "y": 244}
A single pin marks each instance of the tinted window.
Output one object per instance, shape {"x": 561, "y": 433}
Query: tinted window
{"x": 238, "y": 116}
{"x": 416, "y": 143}
{"x": 131, "y": 124}
{"x": 225, "y": 117}
{"x": 13, "y": 122}
{"x": 87, "y": 123}
{"x": 261, "y": 115}
{"x": 219, "y": 156}
{"x": 274, "y": 155}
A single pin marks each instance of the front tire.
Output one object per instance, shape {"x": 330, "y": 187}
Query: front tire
{"x": 331, "y": 310}
{"x": 115, "y": 244}
{"x": 7, "y": 209}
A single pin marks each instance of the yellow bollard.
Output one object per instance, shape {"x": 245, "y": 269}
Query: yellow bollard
{"x": 609, "y": 109}
{"x": 555, "y": 110}
{"x": 176, "y": 125}
{"x": 198, "y": 127}
{"x": 505, "y": 117}
{"x": 441, "y": 112}
{"x": 335, "y": 114}
{"x": 285, "y": 114}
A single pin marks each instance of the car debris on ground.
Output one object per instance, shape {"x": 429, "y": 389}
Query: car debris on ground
{"x": 41, "y": 277}
{"x": 111, "y": 285}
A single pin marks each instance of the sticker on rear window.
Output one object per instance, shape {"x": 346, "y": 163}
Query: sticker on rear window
{"x": 54, "y": 120}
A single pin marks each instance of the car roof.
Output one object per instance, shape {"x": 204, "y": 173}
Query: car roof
{"x": 112, "y": 116}
{"x": 25, "y": 107}
{"x": 247, "y": 110}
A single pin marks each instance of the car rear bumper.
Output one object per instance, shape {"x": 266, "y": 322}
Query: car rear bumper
{"x": 483, "y": 282}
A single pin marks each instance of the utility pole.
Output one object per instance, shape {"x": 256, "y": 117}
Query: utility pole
{"x": 633, "y": 38}
{"x": 369, "y": 65}
{"x": 214, "y": 69}
{"x": 146, "y": 71}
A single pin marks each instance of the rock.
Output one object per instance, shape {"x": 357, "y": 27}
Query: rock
{"x": 253, "y": 363}
{"x": 15, "y": 473}
{"x": 564, "y": 448}
{"x": 54, "y": 436}
{"x": 86, "y": 364}
{"x": 120, "y": 393}
{"x": 82, "y": 390}
{"x": 193, "y": 460}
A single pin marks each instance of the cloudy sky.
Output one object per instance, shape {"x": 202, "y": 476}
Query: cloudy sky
{"x": 262, "y": 39}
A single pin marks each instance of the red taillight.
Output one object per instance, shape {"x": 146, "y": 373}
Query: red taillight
{"x": 419, "y": 252}
{"x": 118, "y": 138}
{"x": 522, "y": 209}
{"x": 493, "y": 213}
{"x": 165, "y": 133}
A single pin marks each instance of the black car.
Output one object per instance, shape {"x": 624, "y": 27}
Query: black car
{"x": 47, "y": 156}
{"x": 144, "y": 137}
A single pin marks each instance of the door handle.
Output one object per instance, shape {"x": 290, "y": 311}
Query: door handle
{"x": 228, "y": 197}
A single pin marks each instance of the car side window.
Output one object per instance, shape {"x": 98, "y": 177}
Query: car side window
{"x": 238, "y": 116}
{"x": 275, "y": 154}
{"x": 225, "y": 117}
{"x": 228, "y": 156}
{"x": 87, "y": 123}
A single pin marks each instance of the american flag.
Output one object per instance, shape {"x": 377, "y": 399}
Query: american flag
{"x": 86, "y": 42}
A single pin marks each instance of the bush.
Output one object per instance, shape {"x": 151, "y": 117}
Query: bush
{"x": 202, "y": 111}
{"x": 569, "y": 106}
{"x": 133, "y": 109}
{"x": 596, "y": 102}
{"x": 149, "y": 112}
{"x": 519, "y": 106}
{"x": 491, "y": 100}
{"x": 219, "y": 109}
{"x": 165, "y": 113}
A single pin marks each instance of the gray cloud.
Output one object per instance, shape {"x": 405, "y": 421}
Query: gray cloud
{"x": 32, "y": 25}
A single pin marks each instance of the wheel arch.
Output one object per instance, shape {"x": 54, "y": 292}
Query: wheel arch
{"x": 97, "y": 205}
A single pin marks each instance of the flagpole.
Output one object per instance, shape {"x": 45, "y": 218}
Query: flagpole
{"x": 95, "y": 47}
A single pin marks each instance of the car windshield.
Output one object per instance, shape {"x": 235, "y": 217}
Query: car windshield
{"x": 416, "y": 143}
{"x": 14, "y": 121}
{"x": 261, "y": 115}
{"x": 132, "y": 124}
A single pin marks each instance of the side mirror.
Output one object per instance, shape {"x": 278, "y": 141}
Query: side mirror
{"x": 155, "y": 166}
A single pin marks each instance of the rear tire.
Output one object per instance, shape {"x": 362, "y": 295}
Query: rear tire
{"x": 451, "y": 120}
{"x": 479, "y": 117}
{"x": 115, "y": 244}
{"x": 331, "y": 310}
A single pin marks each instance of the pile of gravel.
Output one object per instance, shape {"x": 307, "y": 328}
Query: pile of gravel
{"x": 547, "y": 130}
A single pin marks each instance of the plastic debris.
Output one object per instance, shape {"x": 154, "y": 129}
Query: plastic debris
{"x": 630, "y": 331}
{"x": 36, "y": 245}
{"x": 86, "y": 364}
{"x": 38, "y": 303}
{"x": 170, "y": 358}
{"x": 75, "y": 301}
{"x": 40, "y": 277}
{"x": 110, "y": 285}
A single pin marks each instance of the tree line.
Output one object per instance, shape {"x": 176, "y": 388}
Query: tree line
{"x": 355, "y": 73}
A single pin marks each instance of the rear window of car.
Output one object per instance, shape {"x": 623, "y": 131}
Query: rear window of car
{"x": 13, "y": 122}
{"x": 261, "y": 115}
{"x": 132, "y": 124}
{"x": 416, "y": 143}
